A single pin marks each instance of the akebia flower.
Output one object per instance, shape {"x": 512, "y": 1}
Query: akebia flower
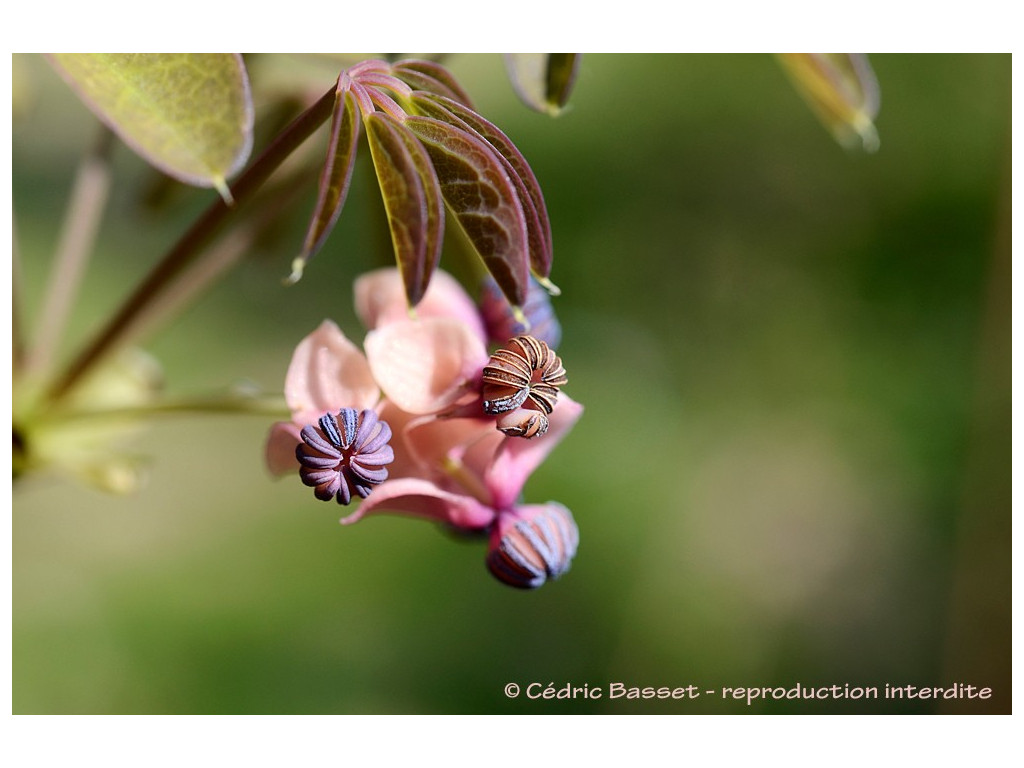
{"x": 344, "y": 454}
{"x": 466, "y": 475}
{"x": 463, "y": 473}
{"x": 327, "y": 373}
{"x": 404, "y": 428}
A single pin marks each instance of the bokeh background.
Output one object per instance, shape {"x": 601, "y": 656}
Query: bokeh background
{"x": 794, "y": 466}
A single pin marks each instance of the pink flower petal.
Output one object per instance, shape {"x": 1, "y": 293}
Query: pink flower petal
{"x": 380, "y": 300}
{"x": 425, "y": 365}
{"x": 405, "y": 463}
{"x": 517, "y": 458}
{"x": 434, "y": 441}
{"x": 280, "y": 450}
{"x": 453, "y": 452}
{"x": 327, "y": 373}
{"x": 421, "y": 498}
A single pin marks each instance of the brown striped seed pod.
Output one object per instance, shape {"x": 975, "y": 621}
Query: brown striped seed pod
{"x": 525, "y": 373}
{"x": 533, "y": 545}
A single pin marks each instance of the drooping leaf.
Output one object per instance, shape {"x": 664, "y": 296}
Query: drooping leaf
{"x": 538, "y": 226}
{"x": 561, "y": 77}
{"x": 430, "y": 76}
{"x": 334, "y": 179}
{"x": 842, "y": 90}
{"x": 412, "y": 199}
{"x": 476, "y": 188}
{"x": 543, "y": 81}
{"x": 188, "y": 114}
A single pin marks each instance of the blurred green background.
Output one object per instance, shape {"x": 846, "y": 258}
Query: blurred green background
{"x": 794, "y": 465}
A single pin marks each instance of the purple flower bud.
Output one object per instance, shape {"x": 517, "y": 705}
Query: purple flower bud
{"x": 502, "y": 324}
{"x": 345, "y": 454}
{"x": 532, "y": 544}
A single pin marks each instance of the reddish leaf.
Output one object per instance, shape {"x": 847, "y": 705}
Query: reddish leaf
{"x": 530, "y": 196}
{"x": 430, "y": 76}
{"x": 412, "y": 198}
{"x": 477, "y": 189}
{"x": 334, "y": 179}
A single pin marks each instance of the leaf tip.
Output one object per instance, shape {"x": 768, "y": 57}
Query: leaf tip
{"x": 520, "y": 316}
{"x": 221, "y": 185}
{"x": 868, "y": 135}
{"x": 298, "y": 266}
{"x": 554, "y": 109}
{"x": 547, "y": 285}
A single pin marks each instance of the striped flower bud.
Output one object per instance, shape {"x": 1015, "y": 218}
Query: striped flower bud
{"x": 532, "y": 545}
{"x": 345, "y": 454}
{"x": 538, "y": 316}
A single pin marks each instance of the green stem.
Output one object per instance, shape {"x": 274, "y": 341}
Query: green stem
{"x": 190, "y": 245}
{"x": 219, "y": 258}
{"x": 275, "y": 407}
{"x": 18, "y": 353}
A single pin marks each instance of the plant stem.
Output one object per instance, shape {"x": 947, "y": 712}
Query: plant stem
{"x": 17, "y": 335}
{"x": 192, "y": 281}
{"x": 78, "y": 235}
{"x": 218, "y": 404}
{"x": 190, "y": 245}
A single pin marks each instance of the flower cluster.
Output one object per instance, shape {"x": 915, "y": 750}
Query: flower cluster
{"x": 404, "y": 425}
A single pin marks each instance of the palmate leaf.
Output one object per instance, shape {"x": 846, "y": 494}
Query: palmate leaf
{"x": 538, "y": 226}
{"x": 476, "y": 188}
{"x": 543, "y": 81}
{"x": 334, "y": 179}
{"x": 431, "y": 152}
{"x": 412, "y": 199}
{"x": 188, "y": 114}
{"x": 842, "y": 90}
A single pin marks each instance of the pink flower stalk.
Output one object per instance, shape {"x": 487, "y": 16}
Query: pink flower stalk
{"x": 450, "y": 464}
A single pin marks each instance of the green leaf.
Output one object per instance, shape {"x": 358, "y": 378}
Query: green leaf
{"x": 412, "y": 198}
{"x": 334, "y": 179}
{"x": 842, "y": 90}
{"x": 560, "y": 78}
{"x": 430, "y": 76}
{"x": 543, "y": 80}
{"x": 476, "y": 188}
{"x": 538, "y": 226}
{"x": 188, "y": 114}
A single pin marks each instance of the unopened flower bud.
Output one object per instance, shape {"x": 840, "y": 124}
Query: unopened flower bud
{"x": 537, "y": 312}
{"x": 533, "y": 544}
